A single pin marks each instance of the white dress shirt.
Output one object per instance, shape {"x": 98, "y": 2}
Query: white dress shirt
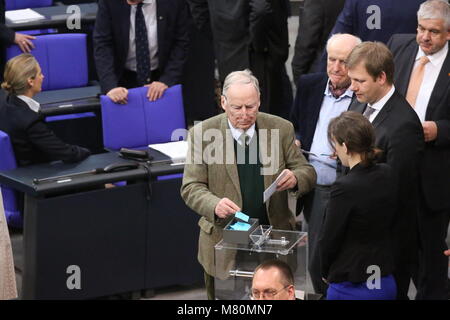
{"x": 380, "y": 104}
{"x": 236, "y": 133}
{"x": 149, "y": 11}
{"x": 431, "y": 74}
{"x": 33, "y": 104}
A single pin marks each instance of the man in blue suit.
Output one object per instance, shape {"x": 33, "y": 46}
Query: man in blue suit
{"x": 321, "y": 97}
{"x": 140, "y": 42}
{"x": 377, "y": 20}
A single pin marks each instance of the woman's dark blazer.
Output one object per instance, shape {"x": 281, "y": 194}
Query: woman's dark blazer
{"x": 32, "y": 141}
{"x": 357, "y": 226}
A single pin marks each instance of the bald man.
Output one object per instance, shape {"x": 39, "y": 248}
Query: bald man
{"x": 321, "y": 97}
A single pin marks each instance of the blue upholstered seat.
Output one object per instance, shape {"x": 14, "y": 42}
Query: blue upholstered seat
{"x": 23, "y": 4}
{"x": 10, "y": 197}
{"x": 141, "y": 122}
{"x": 62, "y": 57}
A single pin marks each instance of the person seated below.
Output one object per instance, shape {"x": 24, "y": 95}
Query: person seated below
{"x": 32, "y": 141}
{"x": 273, "y": 280}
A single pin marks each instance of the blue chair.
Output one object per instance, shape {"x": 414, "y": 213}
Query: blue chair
{"x": 10, "y": 196}
{"x": 141, "y": 122}
{"x": 62, "y": 57}
{"x": 64, "y": 62}
{"x": 23, "y": 4}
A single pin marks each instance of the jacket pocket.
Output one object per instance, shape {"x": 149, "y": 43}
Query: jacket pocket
{"x": 205, "y": 225}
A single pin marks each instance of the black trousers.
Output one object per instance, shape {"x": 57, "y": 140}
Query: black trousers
{"x": 314, "y": 211}
{"x": 432, "y": 280}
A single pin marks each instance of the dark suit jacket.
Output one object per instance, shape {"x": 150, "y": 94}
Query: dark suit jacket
{"x": 357, "y": 228}
{"x": 306, "y": 109}
{"x": 6, "y": 37}
{"x": 241, "y": 27}
{"x": 435, "y": 166}
{"x": 111, "y": 40}
{"x": 315, "y": 23}
{"x": 396, "y": 17}
{"x": 251, "y": 34}
{"x": 31, "y": 139}
{"x": 399, "y": 135}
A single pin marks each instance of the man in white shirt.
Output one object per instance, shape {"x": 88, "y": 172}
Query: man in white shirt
{"x": 399, "y": 135}
{"x": 140, "y": 42}
{"x": 422, "y": 74}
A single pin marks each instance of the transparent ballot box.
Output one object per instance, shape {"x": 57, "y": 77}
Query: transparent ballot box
{"x": 235, "y": 261}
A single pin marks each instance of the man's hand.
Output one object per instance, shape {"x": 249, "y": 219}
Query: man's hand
{"x": 429, "y": 130}
{"x": 118, "y": 95}
{"x": 24, "y": 42}
{"x": 155, "y": 90}
{"x": 289, "y": 181}
{"x": 225, "y": 208}
{"x": 447, "y": 253}
{"x": 298, "y": 143}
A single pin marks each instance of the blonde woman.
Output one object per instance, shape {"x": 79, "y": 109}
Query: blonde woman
{"x": 32, "y": 141}
{"x": 8, "y": 288}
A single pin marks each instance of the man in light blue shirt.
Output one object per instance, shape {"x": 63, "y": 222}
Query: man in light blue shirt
{"x": 320, "y": 98}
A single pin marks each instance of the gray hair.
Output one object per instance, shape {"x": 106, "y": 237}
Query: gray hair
{"x": 240, "y": 77}
{"x": 435, "y": 9}
{"x": 338, "y": 36}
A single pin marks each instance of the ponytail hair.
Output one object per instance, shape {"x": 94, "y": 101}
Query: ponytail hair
{"x": 17, "y": 72}
{"x": 357, "y": 133}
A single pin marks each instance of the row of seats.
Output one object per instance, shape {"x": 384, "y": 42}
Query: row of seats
{"x": 136, "y": 124}
{"x": 24, "y": 4}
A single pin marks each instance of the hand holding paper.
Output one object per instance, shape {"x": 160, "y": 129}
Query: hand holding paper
{"x": 225, "y": 207}
{"x": 286, "y": 180}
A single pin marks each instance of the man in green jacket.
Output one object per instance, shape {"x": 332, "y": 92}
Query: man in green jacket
{"x": 232, "y": 159}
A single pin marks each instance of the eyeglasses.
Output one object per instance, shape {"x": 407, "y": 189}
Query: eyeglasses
{"x": 266, "y": 294}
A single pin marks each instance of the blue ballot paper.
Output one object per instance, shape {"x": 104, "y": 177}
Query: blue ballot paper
{"x": 240, "y": 226}
{"x": 242, "y": 216}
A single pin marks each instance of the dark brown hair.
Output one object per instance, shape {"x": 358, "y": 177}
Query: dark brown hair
{"x": 286, "y": 273}
{"x": 376, "y": 57}
{"x": 358, "y": 134}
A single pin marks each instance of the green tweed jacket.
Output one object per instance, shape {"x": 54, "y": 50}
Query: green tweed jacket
{"x": 211, "y": 174}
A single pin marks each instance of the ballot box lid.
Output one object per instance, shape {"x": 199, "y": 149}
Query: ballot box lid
{"x": 266, "y": 239}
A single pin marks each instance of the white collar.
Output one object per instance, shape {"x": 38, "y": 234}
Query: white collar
{"x": 236, "y": 133}
{"x": 33, "y": 104}
{"x": 380, "y": 103}
{"x": 437, "y": 58}
{"x": 144, "y": 2}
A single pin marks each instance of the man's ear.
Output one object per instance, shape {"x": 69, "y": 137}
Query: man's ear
{"x": 223, "y": 101}
{"x": 30, "y": 82}
{"x": 382, "y": 78}
{"x": 345, "y": 148}
{"x": 291, "y": 292}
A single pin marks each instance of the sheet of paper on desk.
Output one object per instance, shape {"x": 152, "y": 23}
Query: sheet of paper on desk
{"x": 176, "y": 150}
{"x": 273, "y": 187}
{"x": 23, "y": 15}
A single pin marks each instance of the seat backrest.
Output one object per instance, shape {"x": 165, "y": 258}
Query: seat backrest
{"x": 62, "y": 57}
{"x": 10, "y": 197}
{"x": 141, "y": 122}
{"x": 23, "y": 4}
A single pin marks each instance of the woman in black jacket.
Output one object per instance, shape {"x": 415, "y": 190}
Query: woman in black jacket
{"x": 355, "y": 243}
{"x": 32, "y": 141}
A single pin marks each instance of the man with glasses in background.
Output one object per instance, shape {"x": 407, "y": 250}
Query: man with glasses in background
{"x": 273, "y": 280}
